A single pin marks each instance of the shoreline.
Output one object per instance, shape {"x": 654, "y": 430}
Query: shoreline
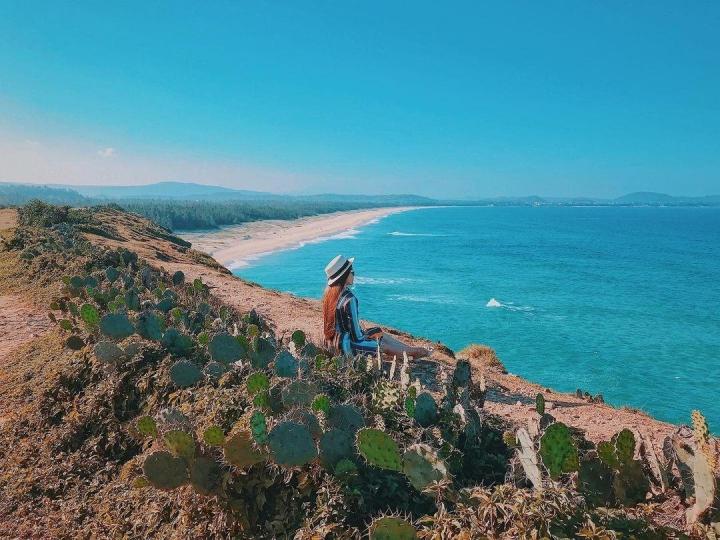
{"x": 236, "y": 246}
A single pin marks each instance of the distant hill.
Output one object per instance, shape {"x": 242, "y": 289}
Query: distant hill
{"x": 174, "y": 190}
{"x": 17, "y": 194}
{"x": 652, "y": 198}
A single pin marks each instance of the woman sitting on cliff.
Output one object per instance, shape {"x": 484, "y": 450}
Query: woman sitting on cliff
{"x": 341, "y": 322}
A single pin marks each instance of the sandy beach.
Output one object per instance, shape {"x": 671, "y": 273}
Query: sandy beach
{"x": 235, "y": 246}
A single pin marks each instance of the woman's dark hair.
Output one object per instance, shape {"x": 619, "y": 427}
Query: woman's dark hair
{"x": 329, "y": 303}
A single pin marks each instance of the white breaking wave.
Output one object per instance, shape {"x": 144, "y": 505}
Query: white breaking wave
{"x": 364, "y": 280}
{"x": 493, "y": 303}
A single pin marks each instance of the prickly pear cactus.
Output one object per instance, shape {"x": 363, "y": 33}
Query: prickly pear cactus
{"x": 336, "y": 445}
{"x": 540, "y": 404}
{"x": 240, "y": 451}
{"x": 321, "y": 403}
{"x": 257, "y": 382}
{"x": 462, "y": 374}
{"x": 379, "y": 449}
{"x": 205, "y": 475}
{"x": 346, "y": 417}
{"x": 630, "y": 484}
{"x": 178, "y": 278}
{"x": 132, "y": 300}
{"x": 595, "y": 482}
{"x": 90, "y": 315}
{"x": 345, "y": 468}
{"x": 226, "y": 349}
{"x": 165, "y": 471}
{"x": 558, "y": 450}
{"x": 700, "y": 483}
{"x": 391, "y": 528}
{"x": 184, "y": 373}
{"x": 426, "y": 410}
{"x": 286, "y": 365}
{"x": 298, "y": 338}
{"x": 108, "y": 352}
{"x": 176, "y": 342}
{"x": 214, "y": 370}
{"x": 116, "y": 326}
{"x": 299, "y": 394}
{"x": 262, "y": 352}
{"x": 214, "y": 436}
{"x": 385, "y": 396}
{"x": 112, "y": 273}
{"x": 258, "y": 427}
{"x": 422, "y": 466}
{"x": 291, "y": 444}
{"x": 180, "y": 443}
{"x": 147, "y": 426}
{"x": 150, "y": 326}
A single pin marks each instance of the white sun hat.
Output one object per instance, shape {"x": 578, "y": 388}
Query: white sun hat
{"x": 337, "y": 267}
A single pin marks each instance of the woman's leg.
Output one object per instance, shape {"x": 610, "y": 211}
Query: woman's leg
{"x": 395, "y": 347}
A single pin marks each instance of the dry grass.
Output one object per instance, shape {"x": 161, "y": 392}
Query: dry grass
{"x": 481, "y": 356}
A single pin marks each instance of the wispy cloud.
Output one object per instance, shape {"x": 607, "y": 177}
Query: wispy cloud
{"x": 106, "y": 152}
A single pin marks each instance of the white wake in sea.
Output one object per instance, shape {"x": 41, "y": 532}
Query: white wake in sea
{"x": 510, "y": 306}
{"x": 400, "y": 233}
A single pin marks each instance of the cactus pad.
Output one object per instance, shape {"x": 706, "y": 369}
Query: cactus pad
{"x": 90, "y": 315}
{"x": 116, "y": 326}
{"x": 558, "y": 450}
{"x": 178, "y": 278}
{"x": 426, "y": 411}
{"x": 391, "y": 528}
{"x": 298, "y": 394}
{"x": 180, "y": 443}
{"x": 262, "y": 353}
{"x": 298, "y": 338}
{"x": 108, "y": 352}
{"x": 595, "y": 482}
{"x": 164, "y": 471}
{"x": 205, "y": 475}
{"x": 75, "y": 343}
{"x": 321, "y": 403}
{"x": 132, "y": 300}
{"x": 630, "y": 484}
{"x": 336, "y": 445}
{"x": 385, "y": 396}
{"x": 624, "y": 445}
{"x": 150, "y": 326}
{"x": 240, "y": 451}
{"x": 422, "y": 466}
{"x": 461, "y": 375}
{"x": 214, "y": 436}
{"x": 214, "y": 370}
{"x": 286, "y": 365}
{"x": 176, "y": 342}
{"x": 540, "y": 404}
{"x": 291, "y": 444}
{"x": 112, "y": 273}
{"x": 345, "y": 467}
{"x": 257, "y": 383}
{"x": 379, "y": 449}
{"x": 184, "y": 373}
{"x": 346, "y": 417}
{"x": 147, "y": 426}
{"x": 225, "y": 348}
{"x": 258, "y": 427}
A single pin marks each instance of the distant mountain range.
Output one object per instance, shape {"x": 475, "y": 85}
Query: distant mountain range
{"x": 14, "y": 194}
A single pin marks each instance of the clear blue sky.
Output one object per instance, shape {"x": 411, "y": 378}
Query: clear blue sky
{"x": 439, "y": 98}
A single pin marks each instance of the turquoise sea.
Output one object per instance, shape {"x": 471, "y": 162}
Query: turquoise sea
{"x": 619, "y": 301}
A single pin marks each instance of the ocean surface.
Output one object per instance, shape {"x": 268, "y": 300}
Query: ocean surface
{"x": 619, "y": 301}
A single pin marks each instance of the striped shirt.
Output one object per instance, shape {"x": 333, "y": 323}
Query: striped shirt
{"x": 352, "y": 339}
